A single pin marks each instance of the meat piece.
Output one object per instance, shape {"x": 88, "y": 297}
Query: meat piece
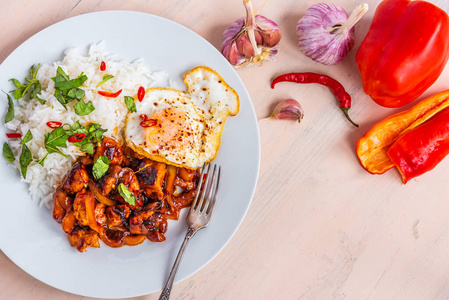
{"x": 99, "y": 194}
{"x": 79, "y": 207}
{"x": 186, "y": 185}
{"x": 151, "y": 176}
{"x": 116, "y": 215}
{"x": 69, "y": 222}
{"x": 100, "y": 216}
{"x": 110, "y": 148}
{"x": 129, "y": 180}
{"x": 110, "y": 180}
{"x": 83, "y": 238}
{"x": 149, "y": 223}
{"x": 86, "y": 160}
{"x": 184, "y": 200}
{"x": 61, "y": 203}
{"x": 130, "y": 158}
{"x": 75, "y": 180}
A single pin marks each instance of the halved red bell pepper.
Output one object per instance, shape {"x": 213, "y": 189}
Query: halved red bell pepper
{"x": 404, "y": 52}
{"x": 421, "y": 149}
{"x": 414, "y": 141}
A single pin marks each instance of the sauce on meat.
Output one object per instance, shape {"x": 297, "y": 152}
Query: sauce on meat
{"x": 92, "y": 209}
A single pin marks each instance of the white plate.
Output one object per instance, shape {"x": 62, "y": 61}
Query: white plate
{"x": 37, "y": 244}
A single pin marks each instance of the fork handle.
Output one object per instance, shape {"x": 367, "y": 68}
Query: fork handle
{"x": 165, "y": 295}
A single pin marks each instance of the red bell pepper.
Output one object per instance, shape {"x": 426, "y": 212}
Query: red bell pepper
{"x": 404, "y": 52}
{"x": 421, "y": 149}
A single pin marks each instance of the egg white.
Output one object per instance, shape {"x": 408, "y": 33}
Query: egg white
{"x": 206, "y": 104}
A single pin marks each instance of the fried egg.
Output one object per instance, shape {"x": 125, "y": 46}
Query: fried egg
{"x": 182, "y": 128}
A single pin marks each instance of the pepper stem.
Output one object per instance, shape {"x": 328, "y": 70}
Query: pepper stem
{"x": 250, "y": 24}
{"x": 355, "y": 16}
{"x": 345, "y": 111}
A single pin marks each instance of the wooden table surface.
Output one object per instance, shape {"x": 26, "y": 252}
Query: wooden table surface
{"x": 319, "y": 226}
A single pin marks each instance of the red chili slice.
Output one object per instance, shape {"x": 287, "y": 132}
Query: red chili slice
{"x": 102, "y": 66}
{"x": 13, "y": 135}
{"x": 77, "y": 137}
{"x": 109, "y": 94}
{"x": 143, "y": 117}
{"x": 54, "y": 124}
{"x": 148, "y": 123}
{"x": 141, "y": 93}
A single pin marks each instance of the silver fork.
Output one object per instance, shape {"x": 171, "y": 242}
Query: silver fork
{"x": 198, "y": 218}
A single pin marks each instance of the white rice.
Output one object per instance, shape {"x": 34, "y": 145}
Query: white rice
{"x": 109, "y": 112}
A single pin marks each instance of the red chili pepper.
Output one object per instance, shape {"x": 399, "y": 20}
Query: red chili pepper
{"x": 141, "y": 93}
{"x": 102, "y": 66}
{"x": 54, "y": 124}
{"x": 13, "y": 135}
{"x": 77, "y": 137}
{"x": 336, "y": 87}
{"x": 148, "y": 123}
{"x": 143, "y": 117}
{"x": 109, "y": 94}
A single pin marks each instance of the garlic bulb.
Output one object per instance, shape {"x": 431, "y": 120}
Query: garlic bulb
{"x": 326, "y": 33}
{"x": 288, "y": 109}
{"x": 251, "y": 41}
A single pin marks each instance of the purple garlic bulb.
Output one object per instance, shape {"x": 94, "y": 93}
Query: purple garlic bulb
{"x": 326, "y": 33}
{"x": 252, "y": 40}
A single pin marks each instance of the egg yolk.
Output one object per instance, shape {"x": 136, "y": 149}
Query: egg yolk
{"x": 172, "y": 130}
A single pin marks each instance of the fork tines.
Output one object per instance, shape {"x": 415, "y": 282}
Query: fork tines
{"x": 207, "y": 190}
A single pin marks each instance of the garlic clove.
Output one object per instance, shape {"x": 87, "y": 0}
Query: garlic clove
{"x": 234, "y": 56}
{"x": 256, "y": 39}
{"x": 288, "y": 109}
{"x": 244, "y": 46}
{"x": 269, "y": 31}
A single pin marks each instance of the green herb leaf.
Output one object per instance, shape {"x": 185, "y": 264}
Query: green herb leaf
{"x": 28, "y": 136}
{"x": 42, "y": 101}
{"x": 18, "y": 93}
{"x": 60, "y": 76}
{"x": 82, "y": 109}
{"x": 101, "y": 166}
{"x": 88, "y": 148}
{"x": 76, "y": 128}
{"x": 56, "y": 138}
{"x": 10, "y": 113}
{"x": 126, "y": 194}
{"x": 36, "y": 90}
{"x": 130, "y": 103}
{"x": 42, "y": 160}
{"x": 17, "y": 83}
{"x": 93, "y": 126}
{"x": 76, "y": 93}
{"x": 31, "y": 85}
{"x": 33, "y": 75}
{"x": 7, "y": 152}
{"x": 25, "y": 160}
{"x": 105, "y": 78}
